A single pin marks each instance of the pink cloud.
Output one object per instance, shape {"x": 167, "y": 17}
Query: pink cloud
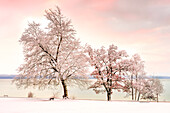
{"x": 138, "y": 25}
{"x": 21, "y": 3}
{"x": 100, "y": 5}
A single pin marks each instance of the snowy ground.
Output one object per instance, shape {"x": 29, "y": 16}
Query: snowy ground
{"x": 26, "y": 105}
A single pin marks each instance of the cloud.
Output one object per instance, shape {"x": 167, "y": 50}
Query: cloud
{"x": 140, "y": 26}
{"x": 141, "y": 14}
{"x": 13, "y": 19}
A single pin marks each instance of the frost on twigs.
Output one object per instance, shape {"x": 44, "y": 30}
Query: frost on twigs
{"x": 135, "y": 74}
{"x": 138, "y": 85}
{"x": 150, "y": 88}
{"x": 110, "y": 66}
{"x": 52, "y": 55}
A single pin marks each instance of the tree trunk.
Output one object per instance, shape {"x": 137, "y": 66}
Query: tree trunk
{"x": 108, "y": 96}
{"x": 157, "y": 97}
{"x": 132, "y": 87}
{"x": 136, "y": 88}
{"x": 132, "y": 94}
{"x": 65, "y": 89}
{"x": 138, "y": 97}
{"x": 135, "y": 94}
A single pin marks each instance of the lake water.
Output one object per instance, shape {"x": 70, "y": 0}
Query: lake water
{"x": 7, "y": 88}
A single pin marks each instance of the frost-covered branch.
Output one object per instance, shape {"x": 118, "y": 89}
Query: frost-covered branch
{"x": 52, "y": 54}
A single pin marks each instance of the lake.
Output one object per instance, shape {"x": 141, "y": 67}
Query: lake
{"x": 7, "y": 88}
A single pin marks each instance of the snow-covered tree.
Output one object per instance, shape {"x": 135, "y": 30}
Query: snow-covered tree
{"x": 52, "y": 55}
{"x": 150, "y": 88}
{"x": 110, "y": 67}
{"x": 157, "y": 87}
{"x": 135, "y": 72}
{"x": 139, "y": 86}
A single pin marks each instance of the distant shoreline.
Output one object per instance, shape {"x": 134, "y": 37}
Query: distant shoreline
{"x": 13, "y": 76}
{"x": 7, "y": 77}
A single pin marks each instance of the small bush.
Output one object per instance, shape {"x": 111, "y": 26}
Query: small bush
{"x": 73, "y": 97}
{"x": 30, "y": 95}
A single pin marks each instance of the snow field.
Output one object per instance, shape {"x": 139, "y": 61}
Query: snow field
{"x": 26, "y": 105}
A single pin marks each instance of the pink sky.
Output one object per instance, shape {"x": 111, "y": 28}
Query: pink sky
{"x": 138, "y": 26}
